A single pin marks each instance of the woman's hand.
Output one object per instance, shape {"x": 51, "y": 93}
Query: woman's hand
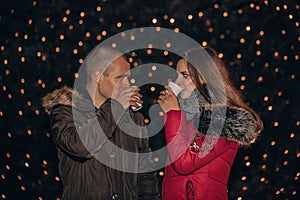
{"x": 167, "y": 100}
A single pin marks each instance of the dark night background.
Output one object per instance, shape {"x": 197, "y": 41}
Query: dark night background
{"x": 42, "y": 44}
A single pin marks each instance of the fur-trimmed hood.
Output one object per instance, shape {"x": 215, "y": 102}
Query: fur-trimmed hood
{"x": 236, "y": 124}
{"x": 61, "y": 96}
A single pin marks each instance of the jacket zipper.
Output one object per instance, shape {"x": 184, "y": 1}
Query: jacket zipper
{"x": 189, "y": 187}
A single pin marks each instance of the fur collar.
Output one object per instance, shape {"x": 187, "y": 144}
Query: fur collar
{"x": 238, "y": 125}
{"x": 61, "y": 96}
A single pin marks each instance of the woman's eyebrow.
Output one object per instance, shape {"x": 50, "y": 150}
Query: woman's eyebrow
{"x": 183, "y": 72}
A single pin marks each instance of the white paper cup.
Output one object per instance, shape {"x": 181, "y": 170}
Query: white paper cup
{"x": 175, "y": 88}
{"x": 134, "y": 108}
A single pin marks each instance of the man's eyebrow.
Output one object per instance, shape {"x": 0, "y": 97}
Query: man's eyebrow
{"x": 123, "y": 75}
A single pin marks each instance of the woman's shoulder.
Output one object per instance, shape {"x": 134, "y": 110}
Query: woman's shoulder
{"x": 233, "y": 123}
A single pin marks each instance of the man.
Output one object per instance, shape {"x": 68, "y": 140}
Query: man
{"x": 91, "y": 162}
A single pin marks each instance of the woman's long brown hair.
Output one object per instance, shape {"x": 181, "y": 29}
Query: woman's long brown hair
{"x": 228, "y": 95}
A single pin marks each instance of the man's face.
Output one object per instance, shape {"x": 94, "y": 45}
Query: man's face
{"x": 115, "y": 76}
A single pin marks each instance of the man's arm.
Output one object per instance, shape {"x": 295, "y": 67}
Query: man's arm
{"x": 83, "y": 133}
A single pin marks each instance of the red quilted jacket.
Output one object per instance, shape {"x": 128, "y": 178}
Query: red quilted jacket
{"x": 198, "y": 167}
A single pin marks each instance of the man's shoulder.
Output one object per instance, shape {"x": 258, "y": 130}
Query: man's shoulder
{"x": 65, "y": 97}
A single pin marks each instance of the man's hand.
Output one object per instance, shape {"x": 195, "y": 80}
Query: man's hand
{"x": 126, "y": 96}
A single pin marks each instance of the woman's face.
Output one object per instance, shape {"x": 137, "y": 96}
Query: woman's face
{"x": 184, "y": 79}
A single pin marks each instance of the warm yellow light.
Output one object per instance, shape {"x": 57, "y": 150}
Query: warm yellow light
{"x": 216, "y": 6}
{"x": 258, "y": 52}
{"x": 59, "y": 79}
{"x": 273, "y": 143}
{"x": 64, "y": 19}
{"x": 200, "y": 14}
{"x": 270, "y": 108}
{"x": 98, "y": 8}
{"x": 260, "y": 79}
{"x": 119, "y": 24}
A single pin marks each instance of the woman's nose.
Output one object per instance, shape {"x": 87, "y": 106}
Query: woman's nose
{"x": 178, "y": 80}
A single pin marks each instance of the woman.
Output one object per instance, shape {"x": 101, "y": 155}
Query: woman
{"x": 204, "y": 128}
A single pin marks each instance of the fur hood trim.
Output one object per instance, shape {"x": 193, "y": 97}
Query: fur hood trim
{"x": 61, "y": 96}
{"x": 238, "y": 126}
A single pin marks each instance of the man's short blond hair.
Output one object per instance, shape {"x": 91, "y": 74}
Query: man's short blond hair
{"x": 100, "y": 58}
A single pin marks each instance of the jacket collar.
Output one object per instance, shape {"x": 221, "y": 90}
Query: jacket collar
{"x": 66, "y": 96}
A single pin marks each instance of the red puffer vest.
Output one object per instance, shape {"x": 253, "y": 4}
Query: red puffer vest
{"x": 198, "y": 167}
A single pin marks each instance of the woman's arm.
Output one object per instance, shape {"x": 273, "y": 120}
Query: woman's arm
{"x": 182, "y": 158}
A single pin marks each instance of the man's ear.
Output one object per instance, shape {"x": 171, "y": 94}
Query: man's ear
{"x": 96, "y": 76}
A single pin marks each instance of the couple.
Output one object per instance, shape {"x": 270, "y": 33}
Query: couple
{"x": 105, "y": 95}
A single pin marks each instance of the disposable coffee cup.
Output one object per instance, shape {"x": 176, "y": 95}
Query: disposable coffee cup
{"x": 175, "y": 88}
{"x": 134, "y": 108}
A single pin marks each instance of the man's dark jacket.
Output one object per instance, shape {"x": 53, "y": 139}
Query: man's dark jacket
{"x": 79, "y": 141}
